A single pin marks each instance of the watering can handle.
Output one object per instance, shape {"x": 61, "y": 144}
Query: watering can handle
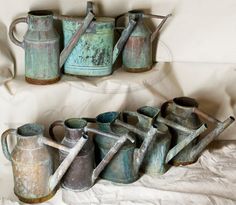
{"x": 5, "y": 147}
{"x": 11, "y": 33}
{"x": 55, "y": 124}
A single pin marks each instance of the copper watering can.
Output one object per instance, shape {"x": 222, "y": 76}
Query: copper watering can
{"x": 124, "y": 167}
{"x": 154, "y": 161}
{"x": 41, "y": 44}
{"x": 137, "y": 53}
{"x": 184, "y": 111}
{"x": 34, "y": 179}
{"x": 82, "y": 175}
{"x": 94, "y": 54}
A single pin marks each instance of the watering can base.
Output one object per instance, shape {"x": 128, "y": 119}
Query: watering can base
{"x": 75, "y": 190}
{"x": 121, "y": 181}
{"x": 36, "y": 200}
{"x": 42, "y": 82}
{"x": 176, "y": 163}
{"x": 87, "y": 71}
{"x": 137, "y": 70}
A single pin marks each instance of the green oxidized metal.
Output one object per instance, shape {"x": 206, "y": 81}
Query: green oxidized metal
{"x": 92, "y": 56}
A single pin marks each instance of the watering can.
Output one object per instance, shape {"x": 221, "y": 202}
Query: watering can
{"x": 154, "y": 162}
{"x": 32, "y": 164}
{"x": 41, "y": 44}
{"x": 94, "y": 54}
{"x": 137, "y": 53}
{"x": 82, "y": 175}
{"x": 184, "y": 110}
{"x": 124, "y": 167}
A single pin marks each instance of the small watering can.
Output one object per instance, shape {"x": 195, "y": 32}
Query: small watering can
{"x": 41, "y": 44}
{"x": 32, "y": 164}
{"x": 154, "y": 161}
{"x": 184, "y": 111}
{"x": 137, "y": 53}
{"x": 94, "y": 54}
{"x": 81, "y": 175}
{"x": 124, "y": 167}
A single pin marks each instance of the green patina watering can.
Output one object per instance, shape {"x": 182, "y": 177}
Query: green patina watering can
{"x": 137, "y": 53}
{"x": 94, "y": 54}
{"x": 34, "y": 178}
{"x": 41, "y": 44}
{"x": 184, "y": 110}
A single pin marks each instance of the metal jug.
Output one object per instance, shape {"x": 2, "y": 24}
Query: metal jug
{"x": 184, "y": 110}
{"x": 94, "y": 54}
{"x": 82, "y": 175}
{"x": 154, "y": 162}
{"x": 32, "y": 164}
{"x": 137, "y": 53}
{"x": 124, "y": 167}
{"x": 41, "y": 44}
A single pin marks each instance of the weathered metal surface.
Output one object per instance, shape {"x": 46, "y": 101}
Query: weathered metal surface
{"x": 159, "y": 152}
{"x": 93, "y": 54}
{"x": 137, "y": 53}
{"x": 184, "y": 111}
{"x": 124, "y": 167}
{"x": 82, "y": 175}
{"x": 32, "y": 164}
{"x": 41, "y": 45}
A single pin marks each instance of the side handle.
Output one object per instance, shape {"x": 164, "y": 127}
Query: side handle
{"x": 11, "y": 31}
{"x": 55, "y": 124}
{"x": 5, "y": 147}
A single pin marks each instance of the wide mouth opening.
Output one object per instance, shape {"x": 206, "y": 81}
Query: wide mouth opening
{"x": 185, "y": 102}
{"x": 75, "y": 123}
{"x": 40, "y": 13}
{"x": 107, "y": 117}
{"x": 136, "y": 11}
{"x": 148, "y": 111}
{"x": 29, "y": 130}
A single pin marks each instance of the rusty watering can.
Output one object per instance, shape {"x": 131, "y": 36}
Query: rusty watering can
{"x": 124, "y": 167}
{"x": 154, "y": 160}
{"x": 41, "y": 44}
{"x": 94, "y": 54}
{"x": 32, "y": 164}
{"x": 81, "y": 175}
{"x": 184, "y": 110}
{"x": 137, "y": 53}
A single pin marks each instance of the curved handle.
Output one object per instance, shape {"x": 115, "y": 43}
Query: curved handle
{"x": 5, "y": 148}
{"x": 54, "y": 124}
{"x": 11, "y": 33}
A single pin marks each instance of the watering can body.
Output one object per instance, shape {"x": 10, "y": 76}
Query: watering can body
{"x": 184, "y": 110}
{"x": 82, "y": 172}
{"x": 137, "y": 53}
{"x": 94, "y": 54}
{"x": 124, "y": 168}
{"x": 34, "y": 178}
{"x": 41, "y": 44}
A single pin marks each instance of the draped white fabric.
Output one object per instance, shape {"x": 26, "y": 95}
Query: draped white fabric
{"x": 197, "y": 58}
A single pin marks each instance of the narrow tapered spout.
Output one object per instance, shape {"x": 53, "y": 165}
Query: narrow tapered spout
{"x": 220, "y": 127}
{"x": 58, "y": 174}
{"x": 122, "y": 40}
{"x": 156, "y": 32}
{"x": 75, "y": 38}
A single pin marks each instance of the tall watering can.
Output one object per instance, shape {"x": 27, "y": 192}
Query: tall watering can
{"x": 82, "y": 175}
{"x": 32, "y": 164}
{"x": 137, "y": 53}
{"x": 94, "y": 54}
{"x": 184, "y": 111}
{"x": 124, "y": 167}
{"x": 154, "y": 162}
{"x": 41, "y": 44}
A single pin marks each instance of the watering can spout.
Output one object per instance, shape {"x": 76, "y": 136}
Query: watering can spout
{"x": 156, "y": 32}
{"x": 122, "y": 40}
{"x": 58, "y": 174}
{"x": 74, "y": 39}
{"x": 220, "y": 127}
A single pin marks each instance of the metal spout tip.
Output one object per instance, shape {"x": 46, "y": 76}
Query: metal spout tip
{"x": 232, "y": 118}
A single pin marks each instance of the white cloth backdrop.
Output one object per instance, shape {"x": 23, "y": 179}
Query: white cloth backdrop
{"x": 197, "y": 54}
